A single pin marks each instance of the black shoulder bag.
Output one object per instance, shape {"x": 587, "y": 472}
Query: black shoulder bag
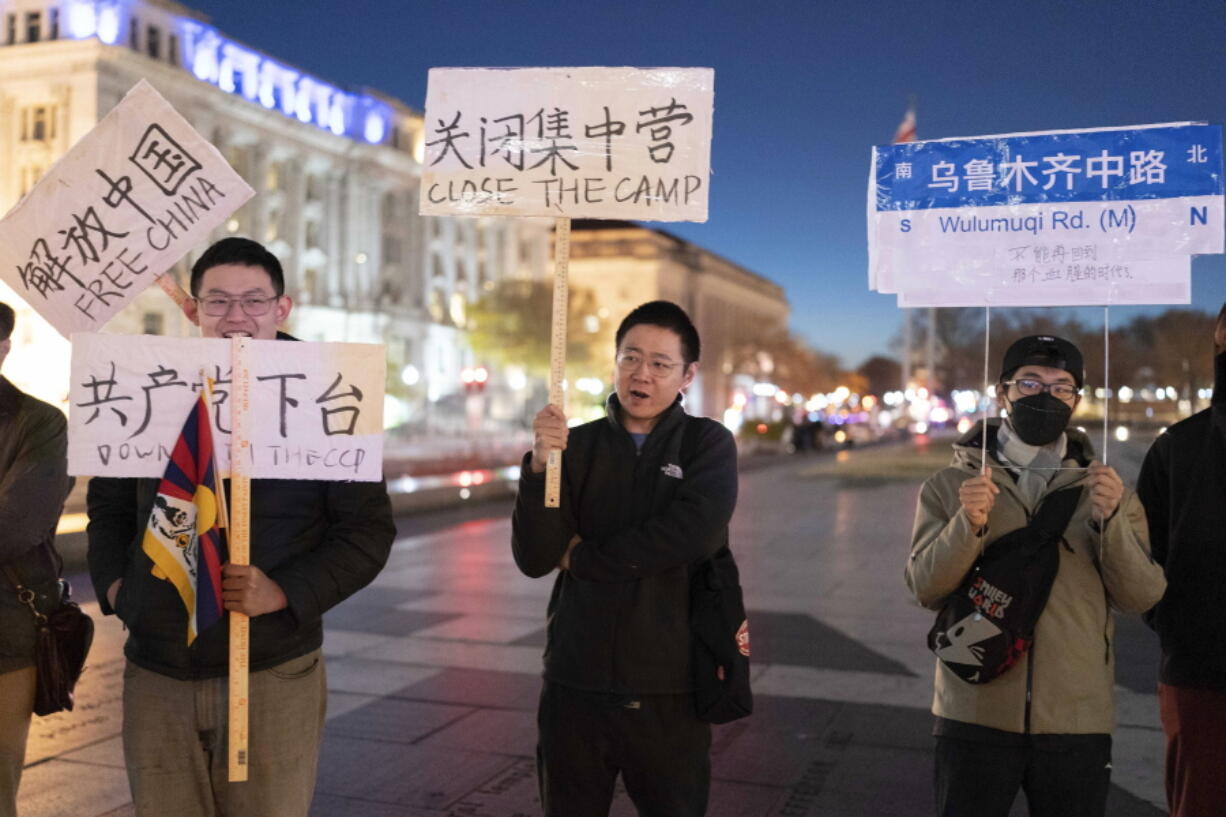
{"x": 718, "y": 626}
{"x": 62, "y": 641}
{"x": 987, "y": 624}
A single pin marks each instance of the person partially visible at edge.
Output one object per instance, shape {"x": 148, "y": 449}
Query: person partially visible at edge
{"x": 313, "y": 544}
{"x": 1182, "y": 485}
{"x": 618, "y": 694}
{"x": 33, "y": 486}
{"x": 1045, "y": 725}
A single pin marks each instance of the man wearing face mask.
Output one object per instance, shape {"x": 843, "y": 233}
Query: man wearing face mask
{"x": 1181, "y": 484}
{"x": 1045, "y": 724}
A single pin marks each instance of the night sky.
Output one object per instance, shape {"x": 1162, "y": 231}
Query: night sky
{"x": 802, "y": 92}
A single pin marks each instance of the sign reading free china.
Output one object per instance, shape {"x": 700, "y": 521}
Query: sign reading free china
{"x": 125, "y": 203}
{"x": 1054, "y": 218}
{"x": 612, "y": 143}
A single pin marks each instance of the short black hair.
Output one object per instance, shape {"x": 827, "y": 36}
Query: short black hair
{"x": 241, "y": 251}
{"x": 666, "y": 315}
{"x": 8, "y": 319}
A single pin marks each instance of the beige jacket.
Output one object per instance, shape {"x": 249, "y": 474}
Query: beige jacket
{"x": 1073, "y": 672}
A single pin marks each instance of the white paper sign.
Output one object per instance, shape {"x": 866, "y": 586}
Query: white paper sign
{"x": 118, "y": 210}
{"x": 611, "y": 143}
{"x": 316, "y": 408}
{"x": 1046, "y": 219}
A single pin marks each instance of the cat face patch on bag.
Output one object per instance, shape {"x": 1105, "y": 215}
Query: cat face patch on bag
{"x": 988, "y": 623}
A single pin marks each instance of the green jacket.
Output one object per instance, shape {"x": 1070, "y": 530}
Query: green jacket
{"x": 1070, "y": 670}
{"x": 33, "y": 486}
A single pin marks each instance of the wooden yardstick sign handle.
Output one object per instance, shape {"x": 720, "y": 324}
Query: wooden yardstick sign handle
{"x": 240, "y": 554}
{"x": 557, "y": 354}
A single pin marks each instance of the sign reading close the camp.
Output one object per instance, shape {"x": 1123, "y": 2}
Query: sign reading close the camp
{"x": 613, "y": 143}
{"x": 126, "y": 203}
{"x": 316, "y": 408}
{"x": 1056, "y": 218}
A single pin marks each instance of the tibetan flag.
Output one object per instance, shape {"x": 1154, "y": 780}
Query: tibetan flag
{"x": 184, "y": 539}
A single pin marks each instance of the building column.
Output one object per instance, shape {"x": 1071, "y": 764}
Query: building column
{"x": 333, "y": 238}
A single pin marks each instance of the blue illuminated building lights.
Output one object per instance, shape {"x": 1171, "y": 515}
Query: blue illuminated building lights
{"x": 82, "y": 19}
{"x": 93, "y": 18}
{"x": 239, "y": 70}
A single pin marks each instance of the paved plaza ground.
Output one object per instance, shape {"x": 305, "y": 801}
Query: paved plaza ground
{"x": 434, "y": 670}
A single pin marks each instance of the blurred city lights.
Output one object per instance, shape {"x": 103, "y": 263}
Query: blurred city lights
{"x": 82, "y": 21}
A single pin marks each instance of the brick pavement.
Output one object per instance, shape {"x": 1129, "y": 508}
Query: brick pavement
{"x": 434, "y": 672}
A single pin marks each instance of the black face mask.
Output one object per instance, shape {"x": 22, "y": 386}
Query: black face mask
{"x": 1039, "y": 419}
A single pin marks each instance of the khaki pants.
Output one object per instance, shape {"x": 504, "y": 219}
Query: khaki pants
{"x": 174, "y": 742}
{"x": 16, "y": 707}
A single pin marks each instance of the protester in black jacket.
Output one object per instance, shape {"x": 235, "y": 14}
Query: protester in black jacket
{"x": 33, "y": 484}
{"x": 1183, "y": 487}
{"x": 313, "y": 544}
{"x": 633, "y": 520}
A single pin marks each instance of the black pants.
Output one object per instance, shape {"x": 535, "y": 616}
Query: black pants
{"x": 656, "y": 742}
{"x": 1062, "y": 775}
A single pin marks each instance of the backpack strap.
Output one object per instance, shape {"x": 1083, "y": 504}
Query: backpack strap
{"x": 1056, "y": 510}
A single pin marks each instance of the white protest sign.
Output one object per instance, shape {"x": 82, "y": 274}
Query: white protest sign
{"x": 1044, "y": 219}
{"x": 118, "y": 210}
{"x": 611, "y": 143}
{"x": 316, "y": 408}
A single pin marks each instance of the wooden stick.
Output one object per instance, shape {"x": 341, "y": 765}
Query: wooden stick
{"x": 177, "y": 294}
{"x": 240, "y": 553}
{"x": 557, "y": 354}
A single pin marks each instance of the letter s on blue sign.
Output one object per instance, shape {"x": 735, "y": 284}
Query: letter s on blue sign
{"x": 905, "y": 225}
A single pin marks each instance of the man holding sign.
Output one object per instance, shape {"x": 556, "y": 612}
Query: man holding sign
{"x": 1044, "y": 723}
{"x": 313, "y": 544}
{"x": 637, "y": 511}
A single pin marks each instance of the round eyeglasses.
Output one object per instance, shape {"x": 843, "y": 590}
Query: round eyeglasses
{"x": 630, "y": 361}
{"x": 1029, "y": 388}
{"x": 216, "y": 307}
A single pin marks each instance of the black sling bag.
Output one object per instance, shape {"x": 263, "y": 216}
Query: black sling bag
{"x": 987, "y": 624}
{"x": 719, "y": 628}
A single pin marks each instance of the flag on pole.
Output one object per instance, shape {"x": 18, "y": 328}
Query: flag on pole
{"x": 906, "y": 128}
{"x": 183, "y": 538}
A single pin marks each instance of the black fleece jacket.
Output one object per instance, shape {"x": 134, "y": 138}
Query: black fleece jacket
{"x": 320, "y": 541}
{"x": 619, "y": 618}
{"x": 1183, "y": 487}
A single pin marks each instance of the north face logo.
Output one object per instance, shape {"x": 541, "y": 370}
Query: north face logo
{"x": 671, "y": 470}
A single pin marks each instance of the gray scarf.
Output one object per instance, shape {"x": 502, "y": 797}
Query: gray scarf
{"x": 1033, "y": 465}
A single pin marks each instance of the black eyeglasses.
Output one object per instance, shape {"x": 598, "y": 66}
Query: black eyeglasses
{"x": 216, "y": 307}
{"x": 630, "y": 361}
{"x": 1029, "y": 388}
